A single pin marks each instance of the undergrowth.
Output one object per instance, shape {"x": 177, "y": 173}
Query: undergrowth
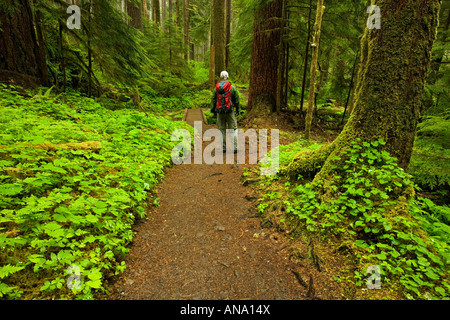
{"x": 74, "y": 178}
{"x": 370, "y": 209}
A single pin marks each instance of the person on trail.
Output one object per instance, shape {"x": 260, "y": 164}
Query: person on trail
{"x": 224, "y": 103}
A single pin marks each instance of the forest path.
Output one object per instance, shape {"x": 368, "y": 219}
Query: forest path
{"x": 205, "y": 241}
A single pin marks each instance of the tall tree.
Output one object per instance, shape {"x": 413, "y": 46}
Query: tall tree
{"x": 19, "y": 49}
{"x": 393, "y": 68}
{"x": 315, "y": 57}
{"x": 156, "y": 12}
{"x": 134, "y": 10}
{"x": 218, "y": 35}
{"x": 163, "y": 14}
{"x": 227, "y": 32}
{"x": 186, "y": 29}
{"x": 281, "y": 62}
{"x": 265, "y": 60}
{"x": 306, "y": 58}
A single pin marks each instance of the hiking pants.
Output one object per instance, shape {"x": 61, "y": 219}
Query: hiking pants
{"x": 222, "y": 121}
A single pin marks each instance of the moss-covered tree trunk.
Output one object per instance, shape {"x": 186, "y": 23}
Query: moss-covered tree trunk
{"x": 20, "y": 56}
{"x": 218, "y": 35}
{"x": 186, "y": 29}
{"x": 265, "y": 58}
{"x": 306, "y": 58}
{"x": 393, "y": 68}
{"x": 227, "y": 31}
{"x": 281, "y": 60}
{"x": 314, "y": 65}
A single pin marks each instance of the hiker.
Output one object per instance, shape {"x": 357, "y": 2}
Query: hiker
{"x": 224, "y": 103}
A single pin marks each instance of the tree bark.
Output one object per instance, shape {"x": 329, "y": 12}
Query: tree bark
{"x": 20, "y": 54}
{"x": 178, "y": 15}
{"x": 170, "y": 30}
{"x": 218, "y": 35}
{"x": 88, "y": 33}
{"x": 228, "y": 32}
{"x": 281, "y": 61}
{"x": 145, "y": 9}
{"x": 156, "y": 12}
{"x": 305, "y": 63}
{"x": 265, "y": 60}
{"x": 42, "y": 48}
{"x": 315, "y": 57}
{"x": 393, "y": 68}
{"x": 135, "y": 13}
{"x": 211, "y": 66}
{"x": 186, "y": 29}
{"x": 163, "y": 14}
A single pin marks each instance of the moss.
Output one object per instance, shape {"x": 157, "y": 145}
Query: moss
{"x": 307, "y": 163}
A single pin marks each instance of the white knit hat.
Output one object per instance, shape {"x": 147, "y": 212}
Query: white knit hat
{"x": 224, "y": 75}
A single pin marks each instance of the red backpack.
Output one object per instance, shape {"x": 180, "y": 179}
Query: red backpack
{"x": 223, "y": 104}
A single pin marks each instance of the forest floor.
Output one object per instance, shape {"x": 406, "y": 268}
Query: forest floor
{"x": 205, "y": 240}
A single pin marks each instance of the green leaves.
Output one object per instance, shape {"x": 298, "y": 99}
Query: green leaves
{"x": 10, "y": 189}
{"x": 8, "y": 269}
{"x": 95, "y": 277}
{"x": 60, "y": 203}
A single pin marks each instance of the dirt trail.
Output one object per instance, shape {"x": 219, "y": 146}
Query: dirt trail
{"x": 204, "y": 241}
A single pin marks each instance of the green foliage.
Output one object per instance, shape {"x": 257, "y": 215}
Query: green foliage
{"x": 74, "y": 176}
{"x": 287, "y": 152}
{"x": 430, "y": 162}
{"x": 368, "y": 208}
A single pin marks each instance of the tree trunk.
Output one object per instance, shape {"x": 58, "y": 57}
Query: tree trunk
{"x": 156, "y": 12}
{"x": 228, "y": 32}
{"x": 62, "y": 58}
{"x": 286, "y": 63}
{"x": 42, "y": 48}
{"x": 265, "y": 60}
{"x": 305, "y": 63}
{"x": 145, "y": 9}
{"x": 88, "y": 32}
{"x": 186, "y": 29}
{"x": 20, "y": 55}
{"x": 211, "y": 66}
{"x": 135, "y": 13}
{"x": 163, "y": 14}
{"x": 281, "y": 61}
{"x": 315, "y": 57}
{"x": 218, "y": 35}
{"x": 170, "y": 28}
{"x": 393, "y": 68}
